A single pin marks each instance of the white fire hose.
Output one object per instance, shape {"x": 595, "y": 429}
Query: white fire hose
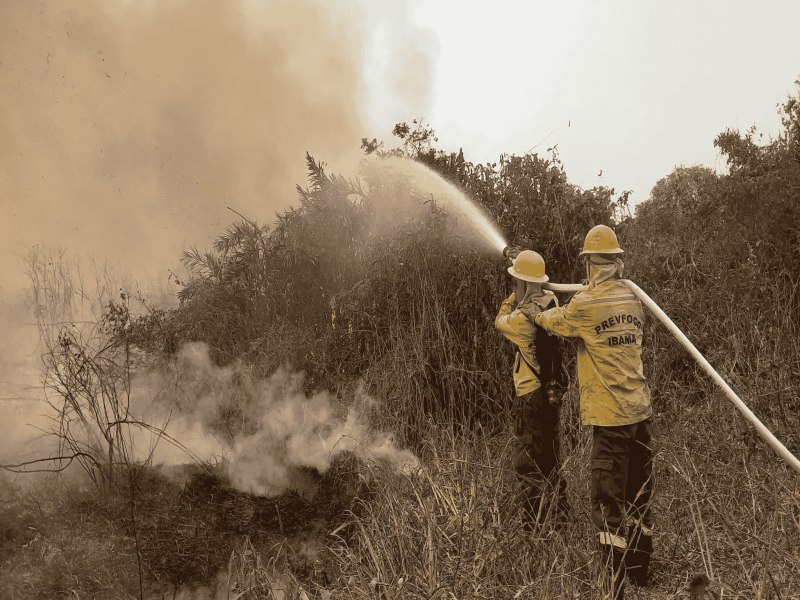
{"x": 762, "y": 430}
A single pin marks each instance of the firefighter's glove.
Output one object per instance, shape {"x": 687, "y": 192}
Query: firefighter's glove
{"x": 554, "y": 394}
{"x": 511, "y": 252}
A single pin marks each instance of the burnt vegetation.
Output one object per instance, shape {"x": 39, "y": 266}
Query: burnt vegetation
{"x": 407, "y": 312}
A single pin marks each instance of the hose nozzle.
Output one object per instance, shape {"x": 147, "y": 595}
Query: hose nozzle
{"x": 511, "y": 252}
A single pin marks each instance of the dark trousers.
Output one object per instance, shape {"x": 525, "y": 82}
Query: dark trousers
{"x": 622, "y": 483}
{"x": 537, "y": 458}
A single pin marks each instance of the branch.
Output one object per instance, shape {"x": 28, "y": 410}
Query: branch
{"x": 160, "y": 434}
{"x": 20, "y": 467}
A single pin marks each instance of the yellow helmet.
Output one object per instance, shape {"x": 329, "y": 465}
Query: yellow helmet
{"x": 601, "y": 239}
{"x": 529, "y": 266}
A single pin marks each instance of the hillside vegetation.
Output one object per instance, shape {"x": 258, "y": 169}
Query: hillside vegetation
{"x": 403, "y": 312}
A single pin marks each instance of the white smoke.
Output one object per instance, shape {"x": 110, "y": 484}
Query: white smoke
{"x": 263, "y": 429}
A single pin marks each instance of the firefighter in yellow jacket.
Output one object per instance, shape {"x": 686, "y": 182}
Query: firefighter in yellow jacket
{"x": 538, "y": 374}
{"x": 607, "y": 320}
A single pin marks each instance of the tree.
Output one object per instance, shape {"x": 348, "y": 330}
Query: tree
{"x": 762, "y": 190}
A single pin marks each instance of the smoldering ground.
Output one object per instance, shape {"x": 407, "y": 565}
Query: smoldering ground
{"x": 263, "y": 436}
{"x": 264, "y": 431}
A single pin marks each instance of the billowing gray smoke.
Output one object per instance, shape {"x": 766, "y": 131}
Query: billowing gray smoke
{"x": 263, "y": 430}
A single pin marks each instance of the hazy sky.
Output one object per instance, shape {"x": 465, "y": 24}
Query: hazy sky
{"x": 643, "y": 85}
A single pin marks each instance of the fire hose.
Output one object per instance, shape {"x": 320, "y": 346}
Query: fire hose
{"x": 762, "y": 430}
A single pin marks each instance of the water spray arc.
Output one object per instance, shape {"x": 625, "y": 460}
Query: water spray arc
{"x": 762, "y": 430}
{"x": 416, "y": 183}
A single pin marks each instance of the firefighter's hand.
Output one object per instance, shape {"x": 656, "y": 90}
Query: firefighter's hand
{"x": 511, "y": 252}
{"x": 554, "y": 395}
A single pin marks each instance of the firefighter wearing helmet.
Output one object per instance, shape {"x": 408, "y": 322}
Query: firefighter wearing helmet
{"x": 607, "y": 321}
{"x": 537, "y": 376}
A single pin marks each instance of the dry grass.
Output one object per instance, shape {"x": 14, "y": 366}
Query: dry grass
{"x": 60, "y": 543}
{"x": 452, "y": 529}
{"x": 449, "y": 530}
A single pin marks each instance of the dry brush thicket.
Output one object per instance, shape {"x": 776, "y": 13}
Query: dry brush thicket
{"x": 405, "y": 309}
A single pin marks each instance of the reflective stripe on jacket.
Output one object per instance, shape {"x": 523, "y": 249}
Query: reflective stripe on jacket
{"x": 516, "y": 324}
{"x": 608, "y": 320}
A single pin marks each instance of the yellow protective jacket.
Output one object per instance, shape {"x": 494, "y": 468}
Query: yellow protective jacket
{"x": 608, "y": 320}
{"x": 516, "y": 324}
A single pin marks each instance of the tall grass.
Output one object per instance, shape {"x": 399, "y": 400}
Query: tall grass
{"x": 452, "y": 530}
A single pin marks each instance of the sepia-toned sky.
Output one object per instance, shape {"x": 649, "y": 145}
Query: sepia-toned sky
{"x": 629, "y": 87}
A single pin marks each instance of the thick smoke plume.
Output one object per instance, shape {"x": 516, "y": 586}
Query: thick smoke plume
{"x": 266, "y": 431}
{"x": 131, "y": 125}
